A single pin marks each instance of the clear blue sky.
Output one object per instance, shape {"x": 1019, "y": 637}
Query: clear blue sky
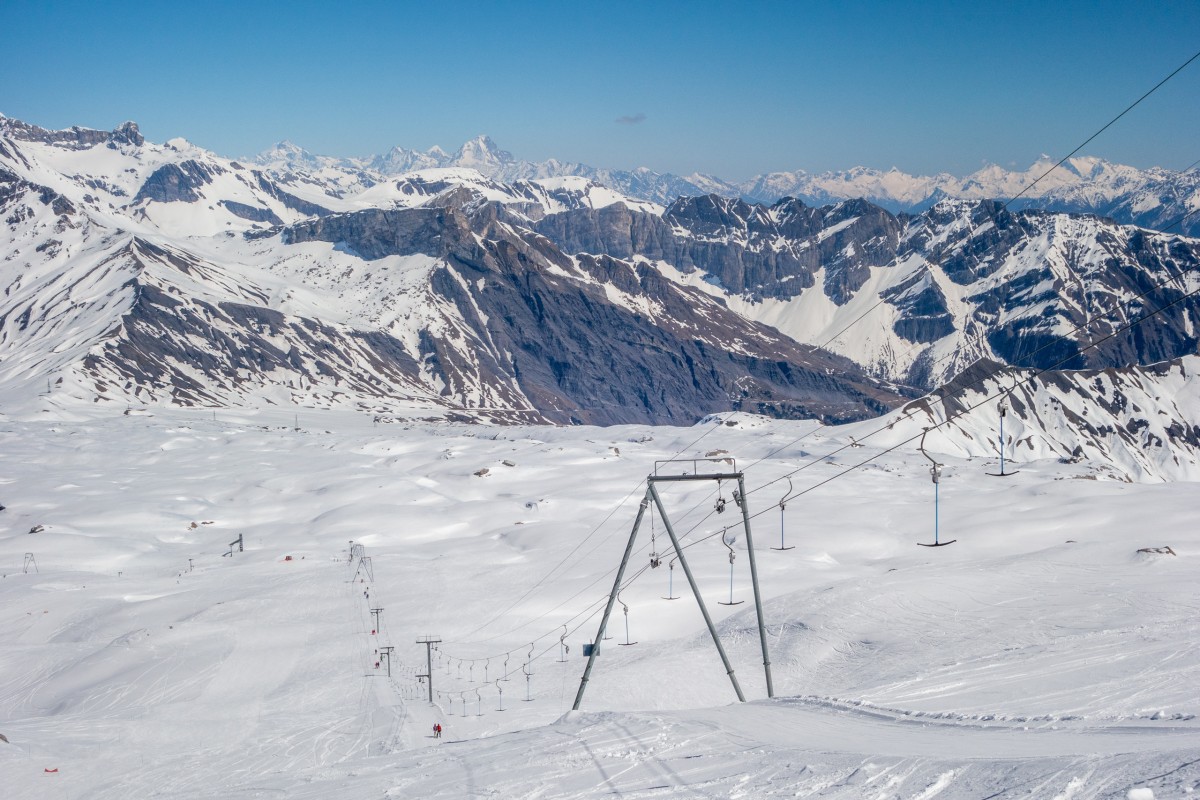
{"x": 731, "y": 89}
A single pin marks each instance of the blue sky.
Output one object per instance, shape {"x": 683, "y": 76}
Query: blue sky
{"x": 730, "y": 89}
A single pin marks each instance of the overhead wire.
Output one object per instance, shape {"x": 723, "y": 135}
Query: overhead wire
{"x": 950, "y": 418}
{"x": 1110, "y": 123}
{"x": 968, "y": 409}
{"x": 1038, "y": 180}
{"x": 577, "y": 547}
{"x": 1172, "y": 277}
{"x": 595, "y": 605}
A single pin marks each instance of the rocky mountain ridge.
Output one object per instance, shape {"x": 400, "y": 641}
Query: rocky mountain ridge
{"x": 178, "y": 276}
{"x": 165, "y": 294}
{"x": 916, "y": 299}
{"x": 1155, "y": 198}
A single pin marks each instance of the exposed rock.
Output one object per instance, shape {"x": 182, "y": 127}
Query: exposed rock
{"x": 172, "y": 183}
{"x": 252, "y": 213}
{"x": 126, "y": 133}
{"x": 289, "y": 200}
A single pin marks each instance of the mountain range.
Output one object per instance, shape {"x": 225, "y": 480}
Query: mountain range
{"x": 136, "y": 272}
{"x": 1157, "y": 198}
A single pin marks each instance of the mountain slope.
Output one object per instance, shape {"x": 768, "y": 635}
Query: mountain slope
{"x": 1133, "y": 424}
{"x": 917, "y": 299}
{"x": 184, "y": 277}
{"x": 668, "y": 352}
{"x": 442, "y": 300}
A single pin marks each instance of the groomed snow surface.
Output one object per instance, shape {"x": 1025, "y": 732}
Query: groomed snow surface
{"x": 1041, "y": 655}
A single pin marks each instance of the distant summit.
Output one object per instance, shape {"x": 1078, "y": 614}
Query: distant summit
{"x": 74, "y": 137}
{"x": 481, "y": 153}
{"x": 1153, "y": 198}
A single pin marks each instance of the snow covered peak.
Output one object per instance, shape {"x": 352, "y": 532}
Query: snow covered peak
{"x": 127, "y": 133}
{"x": 399, "y": 160}
{"x": 287, "y": 155}
{"x": 483, "y": 154}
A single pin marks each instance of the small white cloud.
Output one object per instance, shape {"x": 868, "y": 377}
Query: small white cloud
{"x": 631, "y": 119}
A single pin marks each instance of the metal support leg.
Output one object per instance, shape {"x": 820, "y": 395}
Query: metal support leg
{"x": 652, "y": 492}
{"x": 762, "y": 628}
{"x": 612, "y": 598}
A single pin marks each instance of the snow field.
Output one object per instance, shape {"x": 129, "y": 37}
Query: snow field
{"x": 1013, "y": 663}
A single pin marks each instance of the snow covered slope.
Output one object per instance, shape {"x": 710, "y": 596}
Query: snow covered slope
{"x": 142, "y": 272}
{"x": 141, "y": 279}
{"x": 1041, "y": 655}
{"x": 1137, "y": 424}
{"x": 918, "y": 299}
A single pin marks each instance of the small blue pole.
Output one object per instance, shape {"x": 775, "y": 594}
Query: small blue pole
{"x": 1001, "y": 442}
{"x": 935, "y": 513}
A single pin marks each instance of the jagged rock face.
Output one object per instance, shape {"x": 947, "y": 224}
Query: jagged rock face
{"x": 75, "y": 138}
{"x": 13, "y": 188}
{"x": 1133, "y": 423}
{"x": 126, "y": 133}
{"x": 252, "y": 213}
{"x": 173, "y": 183}
{"x": 172, "y": 346}
{"x": 1036, "y": 288}
{"x": 156, "y": 352}
{"x": 288, "y": 199}
{"x": 924, "y": 315}
{"x": 746, "y": 249}
{"x": 577, "y": 356}
{"x": 375, "y": 233}
{"x": 1122, "y": 273}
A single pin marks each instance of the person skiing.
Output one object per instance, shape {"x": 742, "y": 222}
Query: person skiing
{"x": 437, "y": 730}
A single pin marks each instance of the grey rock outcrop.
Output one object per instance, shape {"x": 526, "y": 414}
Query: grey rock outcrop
{"x": 579, "y": 357}
{"x": 177, "y": 183}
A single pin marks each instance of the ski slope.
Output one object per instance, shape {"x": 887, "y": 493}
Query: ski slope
{"x": 1041, "y": 655}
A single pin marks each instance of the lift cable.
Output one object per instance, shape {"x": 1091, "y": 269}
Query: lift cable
{"x": 577, "y": 547}
{"x": 949, "y": 419}
{"x": 969, "y": 409}
{"x": 993, "y": 373}
{"x": 1035, "y": 181}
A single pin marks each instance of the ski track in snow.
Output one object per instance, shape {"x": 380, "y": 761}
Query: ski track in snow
{"x": 1014, "y": 664}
